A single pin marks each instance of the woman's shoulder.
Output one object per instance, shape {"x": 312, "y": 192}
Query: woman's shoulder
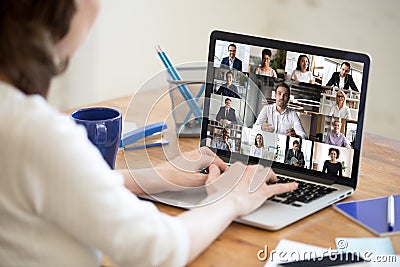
{"x": 32, "y": 128}
{"x": 30, "y": 119}
{"x": 31, "y": 111}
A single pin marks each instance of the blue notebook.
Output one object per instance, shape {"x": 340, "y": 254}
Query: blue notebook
{"x": 372, "y": 214}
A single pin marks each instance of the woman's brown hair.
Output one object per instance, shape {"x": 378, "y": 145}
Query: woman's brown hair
{"x": 29, "y": 30}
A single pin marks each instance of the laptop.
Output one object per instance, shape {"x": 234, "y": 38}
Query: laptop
{"x": 314, "y": 90}
{"x": 303, "y": 156}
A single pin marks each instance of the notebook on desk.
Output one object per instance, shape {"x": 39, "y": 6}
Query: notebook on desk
{"x": 322, "y": 179}
{"x": 311, "y": 100}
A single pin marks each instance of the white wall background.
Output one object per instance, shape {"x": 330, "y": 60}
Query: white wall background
{"x": 119, "y": 55}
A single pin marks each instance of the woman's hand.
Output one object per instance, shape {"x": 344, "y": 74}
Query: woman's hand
{"x": 190, "y": 169}
{"x": 242, "y": 189}
{"x": 247, "y": 186}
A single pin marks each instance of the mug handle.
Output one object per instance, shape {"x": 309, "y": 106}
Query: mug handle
{"x": 101, "y": 134}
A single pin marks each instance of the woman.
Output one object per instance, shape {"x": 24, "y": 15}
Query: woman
{"x": 332, "y": 166}
{"x": 265, "y": 69}
{"x": 340, "y": 110}
{"x": 302, "y": 72}
{"x": 257, "y": 149}
{"x": 61, "y": 204}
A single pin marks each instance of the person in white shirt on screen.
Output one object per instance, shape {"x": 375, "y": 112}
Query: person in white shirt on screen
{"x": 302, "y": 72}
{"x": 278, "y": 117}
{"x": 265, "y": 69}
{"x": 257, "y": 149}
{"x": 60, "y": 203}
{"x": 336, "y": 138}
{"x": 340, "y": 110}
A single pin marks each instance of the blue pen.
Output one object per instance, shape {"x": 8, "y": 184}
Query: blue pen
{"x": 201, "y": 91}
{"x": 182, "y": 87}
{"x": 390, "y": 213}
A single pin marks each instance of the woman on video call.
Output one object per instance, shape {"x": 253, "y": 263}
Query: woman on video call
{"x": 332, "y": 166}
{"x": 340, "y": 109}
{"x": 265, "y": 69}
{"x": 61, "y": 204}
{"x": 302, "y": 72}
{"x": 257, "y": 149}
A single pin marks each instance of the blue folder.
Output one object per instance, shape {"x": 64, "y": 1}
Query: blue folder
{"x": 372, "y": 214}
{"x": 143, "y": 132}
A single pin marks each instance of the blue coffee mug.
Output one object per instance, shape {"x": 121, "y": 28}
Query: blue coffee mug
{"x": 104, "y": 127}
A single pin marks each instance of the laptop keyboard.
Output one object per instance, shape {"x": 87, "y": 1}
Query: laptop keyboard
{"x": 305, "y": 192}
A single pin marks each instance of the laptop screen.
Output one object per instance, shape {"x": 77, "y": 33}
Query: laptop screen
{"x": 299, "y": 106}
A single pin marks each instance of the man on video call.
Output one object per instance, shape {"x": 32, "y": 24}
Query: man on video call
{"x": 224, "y": 142}
{"x": 278, "y": 118}
{"x": 294, "y": 156}
{"x": 228, "y": 88}
{"x": 342, "y": 78}
{"x": 226, "y": 114}
{"x": 232, "y": 61}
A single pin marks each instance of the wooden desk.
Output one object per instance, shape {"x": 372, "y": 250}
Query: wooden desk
{"x": 238, "y": 244}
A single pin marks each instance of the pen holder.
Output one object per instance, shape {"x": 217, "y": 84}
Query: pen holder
{"x": 185, "y": 94}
